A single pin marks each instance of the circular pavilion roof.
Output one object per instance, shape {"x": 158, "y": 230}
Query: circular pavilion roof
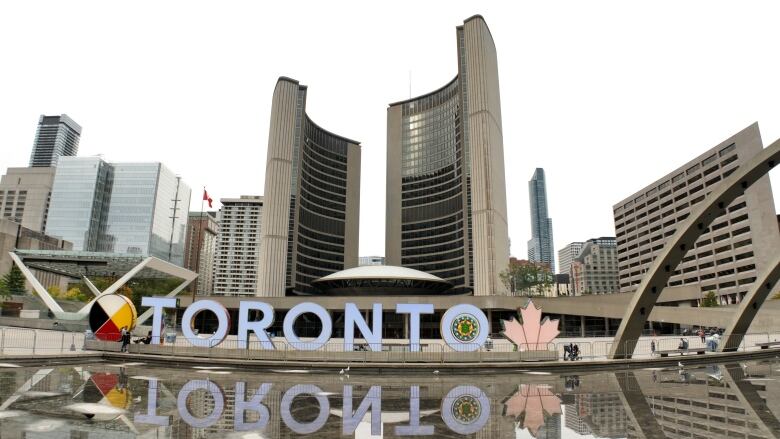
{"x": 381, "y": 280}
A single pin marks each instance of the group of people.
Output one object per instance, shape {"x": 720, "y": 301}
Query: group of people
{"x": 124, "y": 338}
{"x": 571, "y": 352}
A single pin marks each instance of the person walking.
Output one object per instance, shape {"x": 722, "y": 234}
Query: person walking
{"x": 125, "y": 337}
{"x": 652, "y": 347}
{"x": 701, "y": 335}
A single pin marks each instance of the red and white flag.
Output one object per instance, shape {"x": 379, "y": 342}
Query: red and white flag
{"x": 206, "y": 197}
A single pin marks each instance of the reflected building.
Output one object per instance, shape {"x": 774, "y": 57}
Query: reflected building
{"x": 446, "y": 200}
{"x": 312, "y": 199}
{"x": 128, "y": 208}
{"x": 603, "y": 413}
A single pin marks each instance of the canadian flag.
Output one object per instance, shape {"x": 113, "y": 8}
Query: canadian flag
{"x": 206, "y": 197}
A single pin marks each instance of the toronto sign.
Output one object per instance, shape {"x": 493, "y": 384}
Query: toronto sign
{"x": 464, "y": 327}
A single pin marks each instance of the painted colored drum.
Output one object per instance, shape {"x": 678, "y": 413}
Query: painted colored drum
{"x": 109, "y": 314}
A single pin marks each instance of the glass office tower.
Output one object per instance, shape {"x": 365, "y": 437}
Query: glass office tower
{"x": 57, "y": 136}
{"x": 540, "y": 246}
{"x": 446, "y": 195}
{"x": 79, "y": 202}
{"x": 128, "y": 208}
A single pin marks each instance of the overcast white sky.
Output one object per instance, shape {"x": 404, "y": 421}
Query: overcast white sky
{"x": 605, "y": 96}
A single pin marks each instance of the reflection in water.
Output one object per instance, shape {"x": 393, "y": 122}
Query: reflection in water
{"x": 93, "y": 401}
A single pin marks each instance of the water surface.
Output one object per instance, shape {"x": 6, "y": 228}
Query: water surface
{"x": 134, "y": 399}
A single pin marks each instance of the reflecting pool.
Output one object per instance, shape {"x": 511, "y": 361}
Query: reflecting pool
{"x": 108, "y": 400}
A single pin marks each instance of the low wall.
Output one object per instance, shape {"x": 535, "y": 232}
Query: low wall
{"x": 293, "y": 355}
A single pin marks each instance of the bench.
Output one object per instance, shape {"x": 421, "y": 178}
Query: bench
{"x": 768, "y": 344}
{"x": 698, "y": 351}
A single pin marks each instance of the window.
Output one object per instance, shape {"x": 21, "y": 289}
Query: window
{"x": 727, "y": 149}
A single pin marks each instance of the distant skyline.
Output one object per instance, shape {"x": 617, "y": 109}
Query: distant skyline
{"x": 607, "y": 97}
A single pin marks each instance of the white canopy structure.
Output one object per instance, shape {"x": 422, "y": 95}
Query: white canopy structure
{"x": 79, "y": 264}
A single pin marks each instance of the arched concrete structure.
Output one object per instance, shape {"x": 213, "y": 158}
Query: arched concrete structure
{"x": 749, "y": 306}
{"x": 700, "y": 219}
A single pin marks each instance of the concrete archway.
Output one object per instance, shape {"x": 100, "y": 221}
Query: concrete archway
{"x": 675, "y": 249}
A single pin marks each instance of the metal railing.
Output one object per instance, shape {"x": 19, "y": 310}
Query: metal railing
{"x": 26, "y": 341}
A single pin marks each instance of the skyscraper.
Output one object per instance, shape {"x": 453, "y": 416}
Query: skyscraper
{"x": 446, "y": 195}
{"x": 131, "y": 208}
{"x": 200, "y": 249}
{"x": 57, "y": 136}
{"x": 312, "y": 198}
{"x": 238, "y": 246}
{"x": 540, "y": 246}
{"x": 566, "y": 255}
{"x": 595, "y": 269}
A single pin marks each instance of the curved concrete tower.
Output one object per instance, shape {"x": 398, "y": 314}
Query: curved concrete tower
{"x": 446, "y": 192}
{"x": 312, "y": 199}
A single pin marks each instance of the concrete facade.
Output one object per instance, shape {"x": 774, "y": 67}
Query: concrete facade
{"x": 566, "y": 255}
{"x": 25, "y": 194}
{"x": 446, "y": 196}
{"x": 15, "y": 236}
{"x": 312, "y": 199}
{"x": 595, "y": 269}
{"x": 200, "y": 249}
{"x": 238, "y": 246}
{"x": 727, "y": 258}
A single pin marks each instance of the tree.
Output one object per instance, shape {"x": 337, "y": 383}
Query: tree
{"x": 526, "y": 278}
{"x": 710, "y": 300}
{"x": 12, "y": 283}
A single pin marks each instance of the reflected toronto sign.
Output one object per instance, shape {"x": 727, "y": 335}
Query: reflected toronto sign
{"x": 464, "y": 327}
{"x": 464, "y": 409}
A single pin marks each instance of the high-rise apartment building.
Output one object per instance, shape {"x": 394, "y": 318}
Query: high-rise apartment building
{"x": 130, "y": 208}
{"x": 200, "y": 249}
{"x": 57, "y": 136}
{"x": 446, "y": 195}
{"x": 24, "y": 196}
{"x": 238, "y": 246}
{"x": 733, "y": 250}
{"x": 312, "y": 198}
{"x": 595, "y": 269}
{"x": 540, "y": 246}
{"x": 566, "y": 255}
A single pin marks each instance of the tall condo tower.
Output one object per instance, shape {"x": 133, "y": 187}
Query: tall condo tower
{"x": 446, "y": 194}
{"x": 540, "y": 246}
{"x": 57, "y": 136}
{"x": 312, "y": 198}
{"x": 238, "y": 246}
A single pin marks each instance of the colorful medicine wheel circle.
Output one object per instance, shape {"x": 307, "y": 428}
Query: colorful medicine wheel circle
{"x": 466, "y": 409}
{"x": 465, "y": 327}
{"x": 109, "y": 314}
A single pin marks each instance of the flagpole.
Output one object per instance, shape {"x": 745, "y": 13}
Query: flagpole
{"x": 200, "y": 245}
